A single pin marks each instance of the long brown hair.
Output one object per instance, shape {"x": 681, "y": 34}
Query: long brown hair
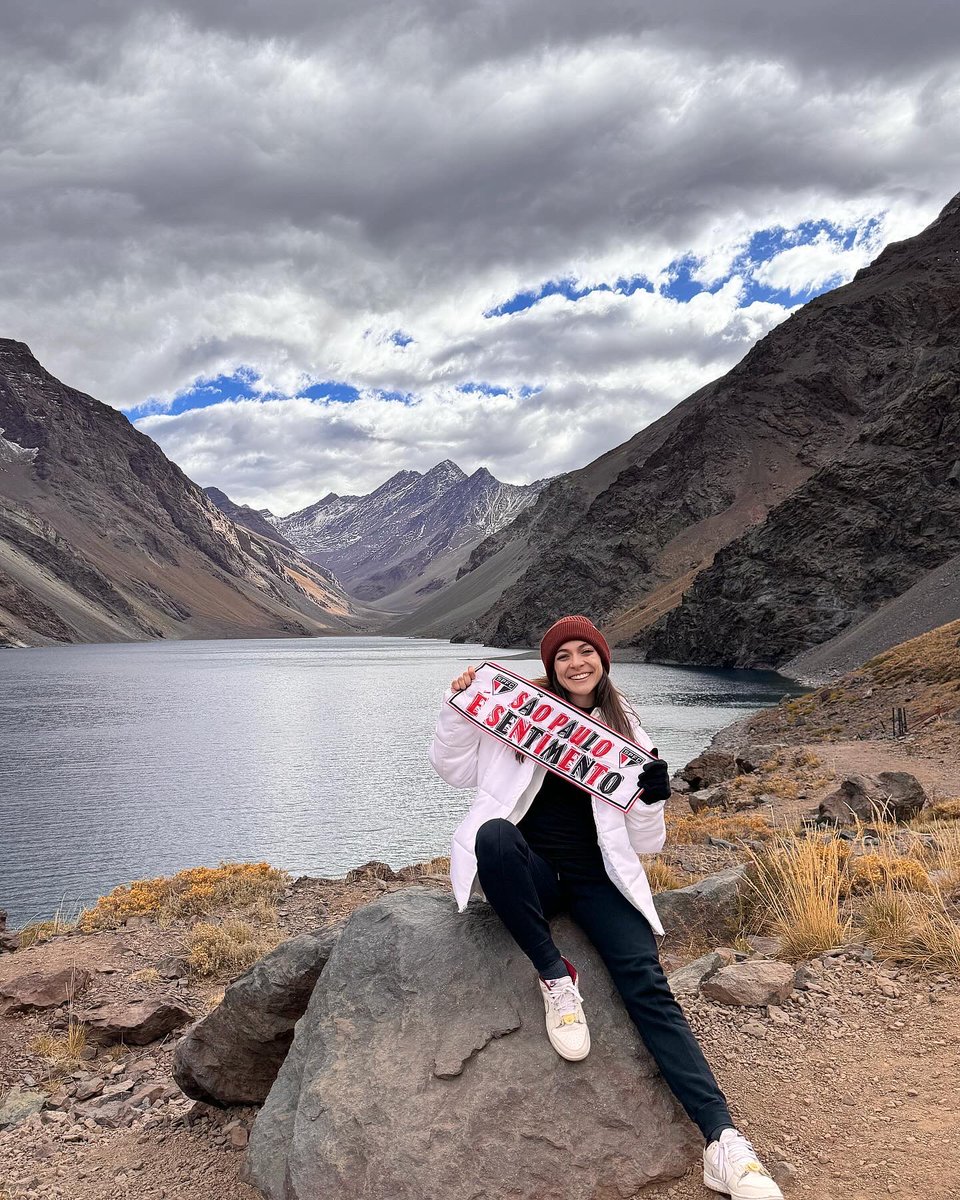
{"x": 613, "y": 707}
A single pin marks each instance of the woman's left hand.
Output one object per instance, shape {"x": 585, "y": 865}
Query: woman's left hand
{"x": 655, "y": 781}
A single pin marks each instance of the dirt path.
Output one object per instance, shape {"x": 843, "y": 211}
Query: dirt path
{"x": 861, "y": 1101}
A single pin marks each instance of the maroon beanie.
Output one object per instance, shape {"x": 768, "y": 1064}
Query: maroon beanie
{"x": 577, "y": 628}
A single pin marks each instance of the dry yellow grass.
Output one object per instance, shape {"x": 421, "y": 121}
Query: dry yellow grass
{"x": 227, "y": 948}
{"x": 147, "y": 975}
{"x": 880, "y": 872}
{"x": 42, "y": 931}
{"x": 195, "y": 892}
{"x": 687, "y": 828}
{"x": 912, "y": 927}
{"x": 797, "y": 888}
{"x": 941, "y": 855}
{"x": 63, "y": 1052}
{"x": 662, "y": 877}
{"x": 933, "y": 657}
{"x": 436, "y": 866}
{"x": 943, "y": 810}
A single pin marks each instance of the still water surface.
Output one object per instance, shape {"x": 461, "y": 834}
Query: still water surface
{"x": 124, "y": 761}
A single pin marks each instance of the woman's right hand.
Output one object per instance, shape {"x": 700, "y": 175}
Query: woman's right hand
{"x": 464, "y": 680}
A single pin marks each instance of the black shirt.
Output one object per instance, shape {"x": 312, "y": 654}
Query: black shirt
{"x": 559, "y": 825}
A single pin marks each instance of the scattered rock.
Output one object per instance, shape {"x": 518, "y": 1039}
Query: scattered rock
{"x": 173, "y": 967}
{"x": 889, "y": 796}
{"x": 471, "y": 1057}
{"x": 233, "y": 1055}
{"x": 756, "y": 982}
{"x": 119, "y": 1088}
{"x": 88, "y": 1088}
{"x": 35, "y": 990}
{"x": 149, "y": 1094}
{"x": 708, "y": 909}
{"x": 712, "y": 797}
{"x": 370, "y": 871}
{"x": 135, "y": 1024}
{"x": 687, "y": 980}
{"x": 769, "y": 947}
{"x": 19, "y": 1104}
{"x": 8, "y": 941}
{"x": 782, "y": 1173}
{"x": 708, "y": 769}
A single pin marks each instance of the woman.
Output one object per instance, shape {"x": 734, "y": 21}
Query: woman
{"x": 536, "y": 843}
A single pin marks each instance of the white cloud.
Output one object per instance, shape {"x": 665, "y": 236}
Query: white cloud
{"x": 191, "y": 188}
{"x": 817, "y": 264}
{"x": 611, "y": 364}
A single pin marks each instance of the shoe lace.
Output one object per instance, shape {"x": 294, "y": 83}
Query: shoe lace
{"x": 564, "y": 996}
{"x": 740, "y": 1154}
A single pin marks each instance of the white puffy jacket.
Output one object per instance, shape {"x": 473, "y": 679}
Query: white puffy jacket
{"x": 466, "y": 757}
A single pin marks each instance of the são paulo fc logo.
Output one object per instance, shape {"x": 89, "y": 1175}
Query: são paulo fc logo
{"x": 628, "y": 758}
{"x": 502, "y": 683}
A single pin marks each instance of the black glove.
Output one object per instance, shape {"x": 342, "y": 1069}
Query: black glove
{"x": 655, "y": 781}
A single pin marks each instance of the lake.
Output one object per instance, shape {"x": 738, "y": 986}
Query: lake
{"x": 134, "y": 760}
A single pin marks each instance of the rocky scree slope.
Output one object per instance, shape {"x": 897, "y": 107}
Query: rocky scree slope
{"x": 410, "y": 536}
{"x": 242, "y": 514}
{"x": 102, "y": 538}
{"x": 626, "y": 537}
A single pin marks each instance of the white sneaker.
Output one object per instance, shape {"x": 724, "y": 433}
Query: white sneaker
{"x": 563, "y": 1013}
{"x": 731, "y": 1165}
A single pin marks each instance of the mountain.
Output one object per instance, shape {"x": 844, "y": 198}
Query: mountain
{"x": 103, "y": 539}
{"x": 254, "y": 519}
{"x": 411, "y": 535}
{"x": 853, "y": 538}
{"x": 826, "y": 453}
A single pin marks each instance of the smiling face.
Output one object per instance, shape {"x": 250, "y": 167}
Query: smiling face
{"x": 578, "y": 669}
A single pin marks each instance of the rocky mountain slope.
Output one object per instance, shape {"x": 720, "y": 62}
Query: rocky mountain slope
{"x": 102, "y": 538}
{"x": 411, "y": 535}
{"x": 808, "y": 428}
{"x": 859, "y": 533}
{"x": 250, "y": 518}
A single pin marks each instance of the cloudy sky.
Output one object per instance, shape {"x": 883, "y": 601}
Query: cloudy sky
{"x": 306, "y": 244}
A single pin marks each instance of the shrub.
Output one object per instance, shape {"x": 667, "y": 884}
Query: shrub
{"x": 194, "y": 892}
{"x": 797, "y": 887}
{"x": 874, "y": 872}
{"x": 662, "y": 877}
{"x": 687, "y": 829}
{"x": 62, "y": 1052}
{"x": 228, "y": 947}
{"x": 147, "y": 975}
{"x": 913, "y": 927}
{"x": 42, "y": 931}
{"x": 943, "y": 810}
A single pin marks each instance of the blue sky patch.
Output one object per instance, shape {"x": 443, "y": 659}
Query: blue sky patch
{"x": 679, "y": 283}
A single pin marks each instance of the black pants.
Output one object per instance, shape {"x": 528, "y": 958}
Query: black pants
{"x": 526, "y": 891}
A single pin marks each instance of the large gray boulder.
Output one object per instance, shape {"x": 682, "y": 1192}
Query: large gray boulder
{"x": 421, "y": 1070}
{"x": 889, "y": 796}
{"x": 233, "y": 1055}
{"x": 708, "y": 769}
{"x": 705, "y": 911}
